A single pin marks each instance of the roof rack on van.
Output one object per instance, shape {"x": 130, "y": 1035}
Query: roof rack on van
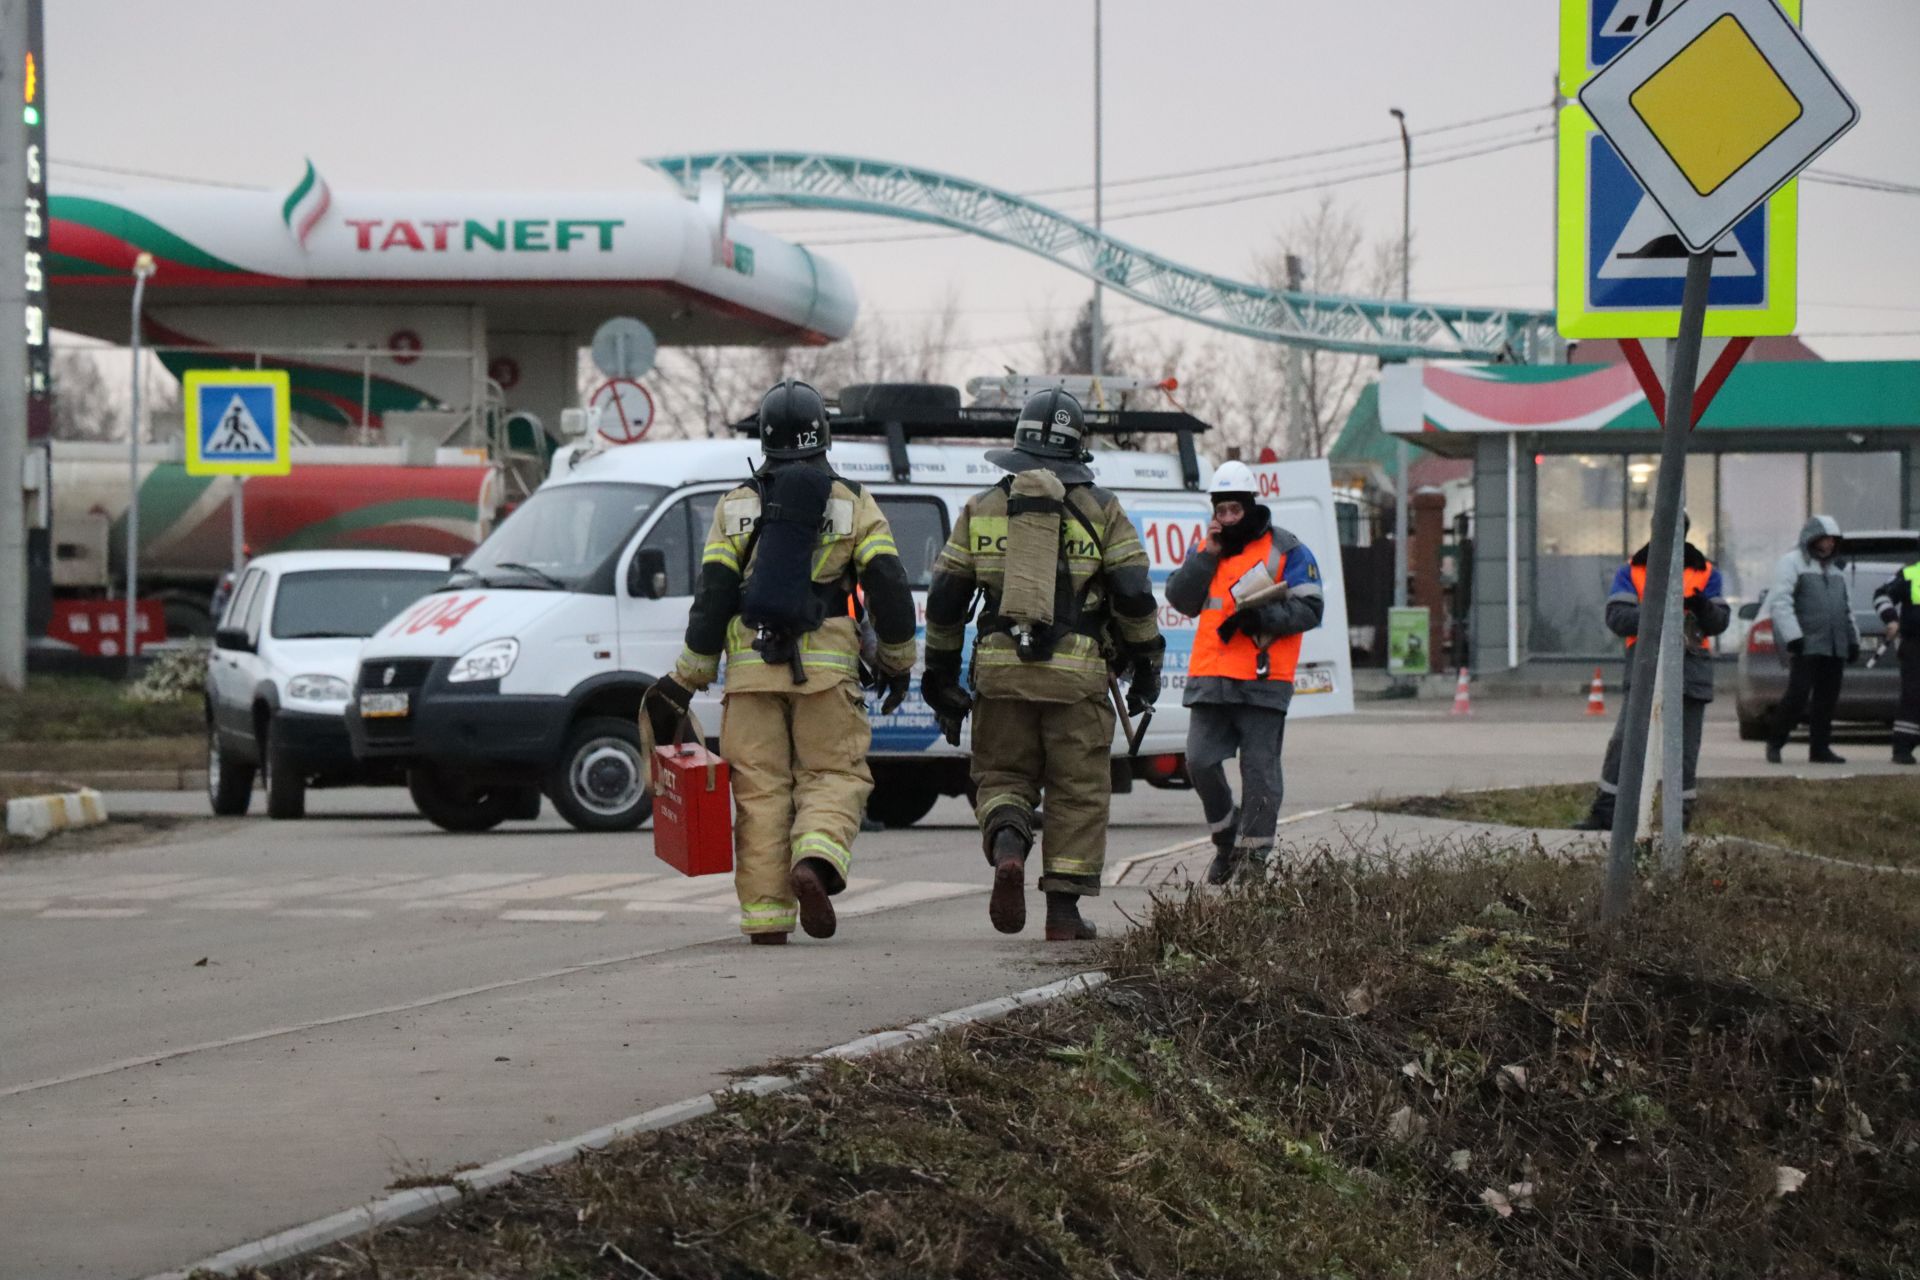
{"x": 898, "y": 414}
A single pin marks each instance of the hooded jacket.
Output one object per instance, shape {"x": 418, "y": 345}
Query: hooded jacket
{"x": 1811, "y": 600}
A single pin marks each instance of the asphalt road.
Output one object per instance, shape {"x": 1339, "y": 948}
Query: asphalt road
{"x": 252, "y": 1024}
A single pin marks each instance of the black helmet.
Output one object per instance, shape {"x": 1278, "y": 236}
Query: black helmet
{"x": 793, "y": 421}
{"x": 1051, "y": 426}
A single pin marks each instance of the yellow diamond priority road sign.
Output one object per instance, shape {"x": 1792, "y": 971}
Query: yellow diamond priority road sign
{"x": 1715, "y": 108}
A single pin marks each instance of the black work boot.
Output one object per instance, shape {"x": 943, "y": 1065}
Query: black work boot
{"x": 1225, "y": 856}
{"x": 1904, "y": 755}
{"x": 1007, "y": 907}
{"x": 1063, "y": 920}
{"x": 767, "y": 939}
{"x": 1825, "y": 755}
{"x": 1773, "y": 752}
{"x": 1599, "y": 817}
{"x": 816, "y": 908}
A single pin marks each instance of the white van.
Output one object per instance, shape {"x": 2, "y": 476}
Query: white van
{"x": 524, "y": 675}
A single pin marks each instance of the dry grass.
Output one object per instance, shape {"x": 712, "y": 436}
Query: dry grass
{"x": 1422, "y": 1070}
{"x": 1859, "y": 819}
{"x": 82, "y": 708}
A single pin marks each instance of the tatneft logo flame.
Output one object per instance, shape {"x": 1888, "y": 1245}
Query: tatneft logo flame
{"x": 307, "y": 204}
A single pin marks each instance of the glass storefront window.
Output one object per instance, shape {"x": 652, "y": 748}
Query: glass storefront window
{"x": 1860, "y": 490}
{"x": 1581, "y": 544}
{"x": 1763, "y": 503}
{"x": 1700, "y": 507}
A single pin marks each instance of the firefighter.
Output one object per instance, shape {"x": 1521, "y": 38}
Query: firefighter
{"x": 1256, "y": 591}
{"x": 788, "y": 557}
{"x": 1898, "y": 604}
{"x": 1705, "y": 614}
{"x": 1063, "y": 582}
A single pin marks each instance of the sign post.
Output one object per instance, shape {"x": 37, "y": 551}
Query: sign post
{"x": 1713, "y": 110}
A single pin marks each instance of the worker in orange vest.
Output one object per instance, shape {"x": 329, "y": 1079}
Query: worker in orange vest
{"x": 1706, "y": 615}
{"x": 1255, "y": 589}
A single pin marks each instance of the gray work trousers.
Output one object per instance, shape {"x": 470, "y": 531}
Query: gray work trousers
{"x": 1692, "y": 721}
{"x": 1216, "y": 732}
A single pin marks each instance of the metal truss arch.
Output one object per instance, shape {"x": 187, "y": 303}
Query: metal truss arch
{"x": 1388, "y": 329}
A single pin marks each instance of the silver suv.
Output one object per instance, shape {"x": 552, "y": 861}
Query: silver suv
{"x": 285, "y": 653}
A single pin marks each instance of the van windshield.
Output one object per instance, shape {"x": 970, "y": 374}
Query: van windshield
{"x": 321, "y": 604}
{"x": 562, "y": 537}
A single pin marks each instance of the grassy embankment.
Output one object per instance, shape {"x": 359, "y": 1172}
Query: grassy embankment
{"x": 82, "y": 724}
{"x": 1860, "y": 819}
{"x": 1416, "y": 1071}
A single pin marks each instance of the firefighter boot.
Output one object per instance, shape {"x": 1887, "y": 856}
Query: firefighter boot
{"x": 1064, "y": 923}
{"x": 1225, "y": 856}
{"x": 1007, "y": 908}
{"x": 767, "y": 939}
{"x": 809, "y": 879}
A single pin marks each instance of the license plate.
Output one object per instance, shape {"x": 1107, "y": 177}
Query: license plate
{"x": 379, "y": 706}
{"x": 1313, "y": 680}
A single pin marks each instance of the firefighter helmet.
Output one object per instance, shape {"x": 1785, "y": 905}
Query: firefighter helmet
{"x": 793, "y": 421}
{"x": 1050, "y": 433}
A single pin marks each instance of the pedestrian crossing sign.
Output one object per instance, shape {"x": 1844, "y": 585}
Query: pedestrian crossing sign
{"x": 238, "y": 422}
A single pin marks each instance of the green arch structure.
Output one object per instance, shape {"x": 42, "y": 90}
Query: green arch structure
{"x": 1391, "y": 330}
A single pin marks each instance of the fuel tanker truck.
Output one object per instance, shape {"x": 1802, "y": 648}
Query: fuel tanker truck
{"x": 341, "y": 496}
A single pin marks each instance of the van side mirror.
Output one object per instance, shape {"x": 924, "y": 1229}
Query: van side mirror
{"x": 232, "y": 638}
{"x": 647, "y": 574}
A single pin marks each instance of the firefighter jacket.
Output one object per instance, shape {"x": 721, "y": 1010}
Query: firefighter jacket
{"x": 1810, "y": 599}
{"x": 1706, "y": 614}
{"x": 1105, "y": 585}
{"x": 856, "y": 559}
{"x": 1227, "y": 669}
{"x": 1898, "y": 600}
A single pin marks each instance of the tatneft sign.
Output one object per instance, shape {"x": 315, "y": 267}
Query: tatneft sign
{"x": 497, "y": 235}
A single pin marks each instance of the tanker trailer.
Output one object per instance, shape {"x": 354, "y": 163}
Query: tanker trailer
{"x": 360, "y": 497}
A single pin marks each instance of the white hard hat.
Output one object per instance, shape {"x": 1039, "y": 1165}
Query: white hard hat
{"x": 1233, "y": 477}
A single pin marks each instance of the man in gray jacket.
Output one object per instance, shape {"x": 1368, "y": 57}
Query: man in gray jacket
{"x": 1811, "y": 607}
{"x": 1255, "y": 590}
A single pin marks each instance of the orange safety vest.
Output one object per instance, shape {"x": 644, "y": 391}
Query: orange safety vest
{"x": 1693, "y": 580}
{"x": 1238, "y": 658}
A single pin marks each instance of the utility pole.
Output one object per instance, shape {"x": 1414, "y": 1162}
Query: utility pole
{"x": 1099, "y": 327}
{"x": 1296, "y": 370}
{"x": 1404, "y": 492}
{"x": 13, "y": 355}
{"x": 142, "y": 268}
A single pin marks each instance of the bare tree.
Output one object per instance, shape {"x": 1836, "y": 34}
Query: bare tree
{"x": 1069, "y": 349}
{"x": 84, "y": 407}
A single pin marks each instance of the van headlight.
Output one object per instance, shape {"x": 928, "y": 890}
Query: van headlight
{"x": 490, "y": 661}
{"x": 317, "y": 688}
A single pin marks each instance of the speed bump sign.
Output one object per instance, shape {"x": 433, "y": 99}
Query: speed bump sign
{"x": 1717, "y": 107}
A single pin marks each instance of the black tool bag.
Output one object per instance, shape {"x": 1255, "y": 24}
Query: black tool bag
{"x": 781, "y": 603}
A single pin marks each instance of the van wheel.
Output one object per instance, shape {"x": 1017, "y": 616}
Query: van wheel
{"x": 901, "y": 401}
{"x": 285, "y": 783}
{"x": 599, "y": 782}
{"x": 901, "y": 797}
{"x": 229, "y": 783}
{"x": 453, "y": 805}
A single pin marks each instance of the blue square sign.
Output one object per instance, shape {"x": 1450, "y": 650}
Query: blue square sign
{"x": 238, "y": 422}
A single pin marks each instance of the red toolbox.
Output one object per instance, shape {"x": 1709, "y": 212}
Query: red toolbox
{"x": 692, "y": 805}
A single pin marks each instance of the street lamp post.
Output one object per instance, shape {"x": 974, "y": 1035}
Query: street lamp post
{"x": 142, "y": 268}
{"x": 1098, "y": 327}
{"x": 1403, "y": 496}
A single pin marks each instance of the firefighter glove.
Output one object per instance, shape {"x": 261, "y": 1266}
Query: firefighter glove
{"x": 674, "y": 693}
{"x": 896, "y": 686}
{"x": 940, "y": 686}
{"x": 1143, "y": 690}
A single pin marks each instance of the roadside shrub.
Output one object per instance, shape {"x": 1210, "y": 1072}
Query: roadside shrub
{"x": 177, "y": 673}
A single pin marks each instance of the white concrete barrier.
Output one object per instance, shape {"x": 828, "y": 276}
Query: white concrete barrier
{"x": 37, "y": 817}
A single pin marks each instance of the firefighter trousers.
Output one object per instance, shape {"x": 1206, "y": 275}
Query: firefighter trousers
{"x": 1024, "y": 751}
{"x": 800, "y": 784}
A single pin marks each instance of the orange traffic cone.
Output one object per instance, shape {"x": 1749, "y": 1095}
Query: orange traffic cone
{"x": 1462, "y": 702}
{"x": 1597, "y": 696}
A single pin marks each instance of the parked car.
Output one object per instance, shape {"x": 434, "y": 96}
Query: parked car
{"x": 282, "y": 668}
{"x": 1871, "y": 693}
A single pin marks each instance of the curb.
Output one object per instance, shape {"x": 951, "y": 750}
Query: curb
{"x": 180, "y": 779}
{"x": 35, "y": 818}
{"x": 424, "y": 1202}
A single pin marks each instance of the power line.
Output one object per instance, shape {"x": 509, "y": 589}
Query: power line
{"x": 125, "y": 172}
{"x": 1861, "y": 182}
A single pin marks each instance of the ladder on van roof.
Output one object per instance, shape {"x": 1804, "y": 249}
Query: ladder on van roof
{"x": 898, "y": 414}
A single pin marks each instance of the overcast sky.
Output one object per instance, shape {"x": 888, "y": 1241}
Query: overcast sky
{"x": 570, "y": 94}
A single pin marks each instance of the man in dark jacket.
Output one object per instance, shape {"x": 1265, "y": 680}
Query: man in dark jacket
{"x": 1811, "y": 606}
{"x": 1898, "y": 604}
{"x": 1705, "y": 615}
